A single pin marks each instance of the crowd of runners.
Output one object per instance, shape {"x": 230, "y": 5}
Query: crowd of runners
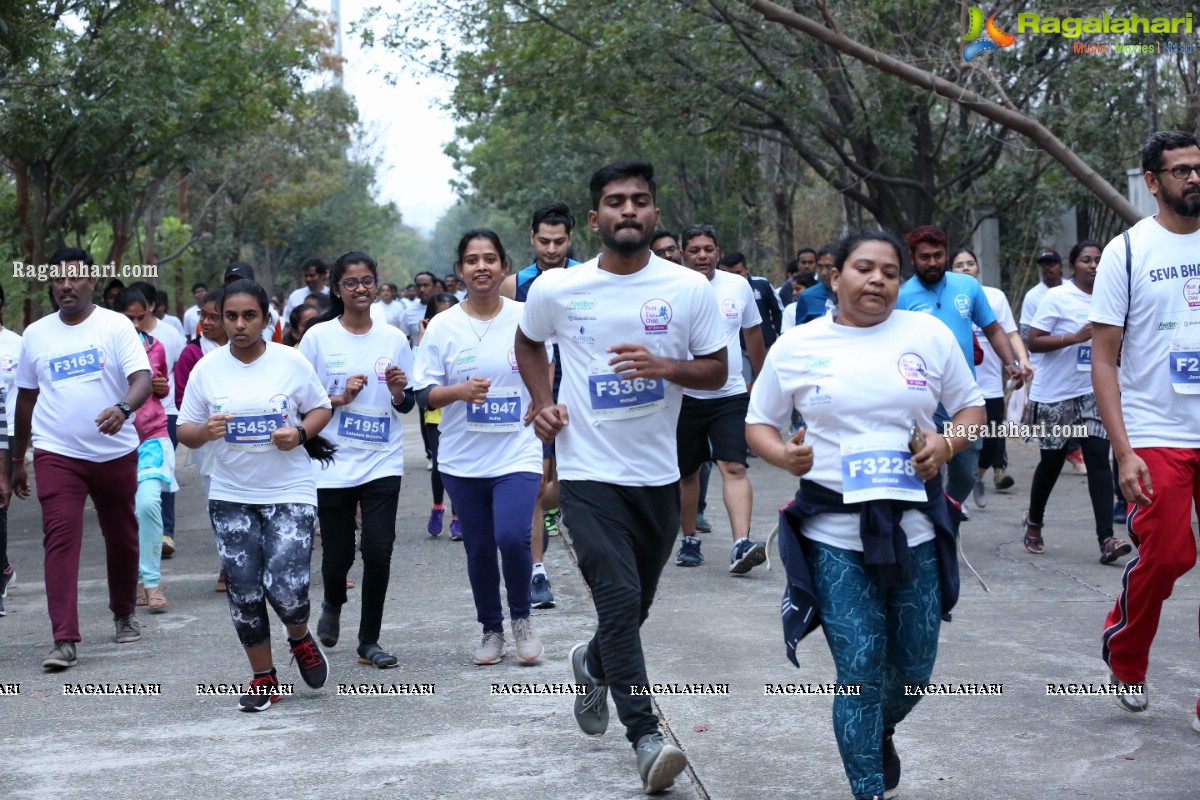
{"x": 610, "y": 389}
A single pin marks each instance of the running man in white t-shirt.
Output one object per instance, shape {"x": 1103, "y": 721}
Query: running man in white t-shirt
{"x": 633, "y": 331}
{"x": 1150, "y": 294}
{"x": 10, "y": 353}
{"x": 364, "y": 365}
{"x": 712, "y": 424}
{"x": 82, "y": 374}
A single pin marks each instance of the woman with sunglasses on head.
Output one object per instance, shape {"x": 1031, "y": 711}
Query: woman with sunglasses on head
{"x": 364, "y": 365}
{"x": 490, "y": 460}
{"x": 262, "y": 407}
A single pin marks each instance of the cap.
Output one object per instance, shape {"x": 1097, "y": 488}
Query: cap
{"x": 1049, "y": 255}
{"x": 238, "y": 270}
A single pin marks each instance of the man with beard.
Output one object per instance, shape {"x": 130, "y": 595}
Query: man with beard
{"x": 82, "y": 373}
{"x": 550, "y": 236}
{"x": 666, "y": 245}
{"x": 958, "y": 301}
{"x": 1147, "y": 292}
{"x": 650, "y": 329}
{"x": 313, "y": 272}
{"x": 426, "y": 285}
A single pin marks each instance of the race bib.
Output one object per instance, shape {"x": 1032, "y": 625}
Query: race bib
{"x": 365, "y": 427}
{"x": 250, "y": 431}
{"x": 75, "y": 367}
{"x": 1083, "y": 357}
{"x": 1183, "y": 359}
{"x": 614, "y": 397}
{"x": 500, "y": 412}
{"x": 879, "y": 467}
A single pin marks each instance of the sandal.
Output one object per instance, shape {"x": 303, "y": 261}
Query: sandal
{"x": 376, "y": 656}
{"x": 1033, "y": 537}
{"x": 1113, "y": 548}
{"x": 141, "y": 595}
{"x": 155, "y": 599}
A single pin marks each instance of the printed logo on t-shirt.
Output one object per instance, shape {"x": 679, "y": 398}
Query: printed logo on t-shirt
{"x": 583, "y": 337}
{"x": 816, "y": 367}
{"x": 581, "y": 305}
{"x": 335, "y": 362}
{"x": 512, "y": 358}
{"x": 7, "y": 363}
{"x": 963, "y": 304}
{"x": 465, "y": 357}
{"x": 817, "y": 398}
{"x": 922, "y": 308}
{"x": 1191, "y": 293}
{"x": 912, "y": 368}
{"x": 1168, "y": 325}
{"x": 656, "y": 315}
{"x": 729, "y": 308}
{"x": 381, "y": 366}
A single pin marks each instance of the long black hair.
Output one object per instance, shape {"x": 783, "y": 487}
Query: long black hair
{"x": 317, "y": 447}
{"x": 337, "y": 306}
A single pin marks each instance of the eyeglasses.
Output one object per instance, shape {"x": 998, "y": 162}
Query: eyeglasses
{"x": 1180, "y": 172}
{"x": 350, "y": 284}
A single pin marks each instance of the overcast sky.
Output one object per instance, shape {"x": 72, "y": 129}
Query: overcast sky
{"x": 409, "y": 129}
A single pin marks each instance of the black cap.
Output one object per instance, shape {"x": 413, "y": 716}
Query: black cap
{"x": 238, "y": 270}
{"x": 1049, "y": 255}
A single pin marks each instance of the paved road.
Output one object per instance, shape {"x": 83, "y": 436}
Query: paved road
{"x": 1039, "y": 624}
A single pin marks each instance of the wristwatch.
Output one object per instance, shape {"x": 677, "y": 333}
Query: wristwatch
{"x": 1016, "y": 364}
{"x": 124, "y": 408}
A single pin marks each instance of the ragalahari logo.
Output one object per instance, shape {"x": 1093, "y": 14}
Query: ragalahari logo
{"x": 995, "y": 40}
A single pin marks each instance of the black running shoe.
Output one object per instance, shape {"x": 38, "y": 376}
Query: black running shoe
{"x": 891, "y": 763}
{"x": 263, "y": 691}
{"x": 310, "y": 660}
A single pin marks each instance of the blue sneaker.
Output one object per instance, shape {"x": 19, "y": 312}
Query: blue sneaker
{"x": 455, "y": 530}
{"x": 434, "y": 528}
{"x": 540, "y": 595}
{"x": 689, "y": 553}
{"x": 703, "y": 525}
{"x": 746, "y": 556}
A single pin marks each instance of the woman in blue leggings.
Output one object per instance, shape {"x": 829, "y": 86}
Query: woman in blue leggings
{"x": 867, "y": 543}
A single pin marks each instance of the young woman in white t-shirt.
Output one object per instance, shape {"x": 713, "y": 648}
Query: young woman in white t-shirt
{"x": 261, "y": 405}
{"x": 490, "y": 460}
{"x": 1062, "y": 397}
{"x": 364, "y": 365}
{"x": 881, "y": 567}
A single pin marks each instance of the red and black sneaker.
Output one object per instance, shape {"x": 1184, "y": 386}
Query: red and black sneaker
{"x": 310, "y": 660}
{"x": 263, "y": 691}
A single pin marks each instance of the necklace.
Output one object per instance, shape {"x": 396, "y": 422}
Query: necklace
{"x": 487, "y": 327}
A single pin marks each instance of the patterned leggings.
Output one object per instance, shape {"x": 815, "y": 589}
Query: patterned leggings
{"x": 265, "y": 551}
{"x": 881, "y": 640}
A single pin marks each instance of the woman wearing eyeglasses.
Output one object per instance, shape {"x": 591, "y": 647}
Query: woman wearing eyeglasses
{"x": 364, "y": 365}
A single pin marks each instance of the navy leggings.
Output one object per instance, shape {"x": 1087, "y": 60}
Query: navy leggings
{"x": 496, "y": 513}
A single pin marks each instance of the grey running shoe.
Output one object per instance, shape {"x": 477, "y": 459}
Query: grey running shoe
{"x": 529, "y": 644}
{"x": 1133, "y": 697}
{"x": 746, "y": 555}
{"x": 591, "y": 709}
{"x": 979, "y": 493}
{"x": 1002, "y": 480}
{"x": 61, "y": 656}
{"x": 659, "y": 762}
{"x": 128, "y": 628}
{"x": 703, "y": 525}
{"x": 490, "y": 650}
{"x": 329, "y": 625}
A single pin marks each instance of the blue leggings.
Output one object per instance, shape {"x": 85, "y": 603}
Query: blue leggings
{"x": 881, "y": 640}
{"x": 496, "y": 513}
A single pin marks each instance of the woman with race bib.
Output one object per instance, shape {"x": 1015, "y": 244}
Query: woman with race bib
{"x": 262, "y": 406}
{"x": 364, "y": 365}
{"x": 867, "y": 543}
{"x": 1061, "y": 398}
{"x": 490, "y": 460}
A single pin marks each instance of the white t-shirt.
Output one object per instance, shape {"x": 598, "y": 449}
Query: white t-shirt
{"x": 737, "y": 310}
{"x": 489, "y": 440}
{"x": 10, "y": 356}
{"x": 987, "y": 372}
{"x": 393, "y": 312}
{"x": 861, "y": 382}
{"x": 191, "y": 320}
{"x": 273, "y": 390}
{"x": 411, "y": 326}
{"x": 621, "y": 432}
{"x": 173, "y": 344}
{"x": 1162, "y": 333}
{"x": 1067, "y": 372}
{"x": 368, "y": 432}
{"x": 174, "y": 322}
{"x": 298, "y": 296}
{"x": 80, "y": 370}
